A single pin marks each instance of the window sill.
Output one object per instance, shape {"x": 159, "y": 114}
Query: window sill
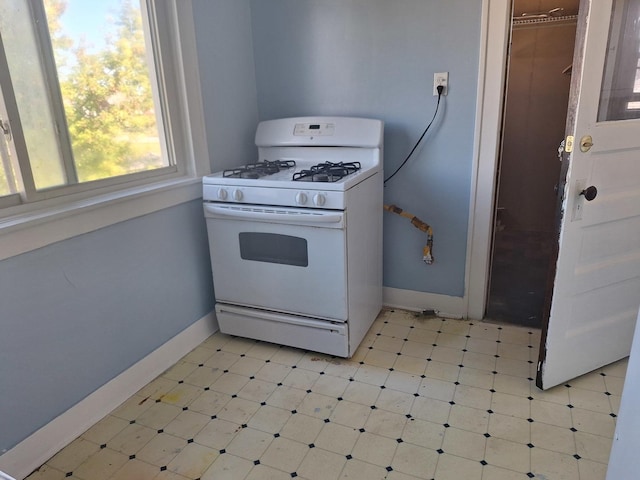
{"x": 36, "y": 229}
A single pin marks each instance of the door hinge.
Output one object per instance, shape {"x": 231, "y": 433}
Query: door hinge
{"x": 568, "y": 145}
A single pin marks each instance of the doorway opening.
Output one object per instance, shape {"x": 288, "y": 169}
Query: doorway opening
{"x": 534, "y": 116}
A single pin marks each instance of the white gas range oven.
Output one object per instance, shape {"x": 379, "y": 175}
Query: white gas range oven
{"x": 296, "y": 237}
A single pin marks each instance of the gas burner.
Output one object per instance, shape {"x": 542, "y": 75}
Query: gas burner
{"x": 259, "y": 169}
{"x": 326, "y": 172}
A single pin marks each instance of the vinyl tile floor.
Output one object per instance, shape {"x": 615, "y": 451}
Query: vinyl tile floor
{"x": 422, "y": 398}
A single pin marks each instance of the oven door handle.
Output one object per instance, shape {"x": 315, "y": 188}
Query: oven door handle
{"x": 272, "y": 214}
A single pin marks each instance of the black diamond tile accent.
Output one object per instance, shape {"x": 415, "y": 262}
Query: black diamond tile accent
{"x": 158, "y": 400}
{"x": 530, "y": 379}
{"x": 213, "y": 417}
{"x": 456, "y": 383}
{"x": 311, "y": 445}
{"x": 446, "y": 425}
{"x": 190, "y": 440}
{"x": 570, "y": 406}
{"x": 408, "y": 415}
{"x": 256, "y": 462}
{"x": 428, "y": 359}
{"x": 452, "y": 402}
{"x": 104, "y": 445}
{"x": 267, "y": 361}
{"x": 530, "y": 420}
{"x": 201, "y": 364}
{"x": 263, "y": 403}
{"x": 492, "y": 391}
{"x": 530, "y": 475}
{"x": 461, "y": 366}
{"x": 276, "y": 435}
{"x": 131, "y": 422}
{"x": 181, "y": 381}
{"x": 465, "y": 350}
{"x": 529, "y": 398}
{"x": 389, "y": 468}
{"x": 293, "y": 412}
{"x": 567, "y": 385}
{"x": 440, "y": 451}
{"x": 391, "y": 369}
{"x": 206, "y": 389}
{"x": 361, "y": 363}
{"x": 423, "y": 376}
{"x": 497, "y": 356}
{"x": 251, "y": 377}
{"x": 487, "y": 435}
{"x": 498, "y": 341}
{"x": 279, "y": 384}
{"x": 530, "y": 445}
{"x": 351, "y": 379}
{"x": 612, "y": 415}
{"x": 309, "y": 391}
{"x": 416, "y": 394}
{"x": 573, "y": 429}
{"x": 340, "y": 399}
{"x": 225, "y": 371}
{"x": 434, "y": 344}
{"x": 349, "y": 457}
{"x": 244, "y": 425}
{"x": 468, "y": 336}
{"x": 577, "y": 457}
{"x": 530, "y": 361}
{"x": 326, "y": 420}
{"x": 294, "y": 366}
{"x": 603, "y": 374}
{"x": 494, "y": 372}
{"x": 163, "y": 468}
{"x": 399, "y": 440}
{"x": 483, "y": 462}
{"x": 234, "y": 396}
{"x": 489, "y": 411}
{"x": 131, "y": 457}
{"x": 373, "y": 407}
{"x": 184, "y": 409}
{"x": 382, "y": 387}
{"x": 223, "y": 451}
{"x": 607, "y": 394}
{"x": 68, "y": 474}
{"x": 370, "y": 348}
{"x": 161, "y": 431}
{"x": 242, "y": 355}
{"x": 321, "y": 373}
{"x": 398, "y": 353}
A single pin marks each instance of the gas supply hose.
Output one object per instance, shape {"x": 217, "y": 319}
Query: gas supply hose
{"x": 427, "y": 255}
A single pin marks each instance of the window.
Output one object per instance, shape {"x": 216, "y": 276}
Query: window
{"x": 85, "y": 104}
{"x": 620, "y": 93}
{"x": 100, "y": 108}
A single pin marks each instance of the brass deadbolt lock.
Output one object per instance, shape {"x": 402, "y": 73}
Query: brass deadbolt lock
{"x": 586, "y": 143}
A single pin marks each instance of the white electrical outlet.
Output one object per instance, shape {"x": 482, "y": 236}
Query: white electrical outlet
{"x": 441, "y": 78}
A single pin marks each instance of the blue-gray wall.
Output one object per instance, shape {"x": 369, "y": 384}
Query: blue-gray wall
{"x": 75, "y": 314}
{"x": 377, "y": 58}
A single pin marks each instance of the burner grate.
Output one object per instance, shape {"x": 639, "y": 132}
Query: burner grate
{"x": 259, "y": 169}
{"x": 326, "y": 172}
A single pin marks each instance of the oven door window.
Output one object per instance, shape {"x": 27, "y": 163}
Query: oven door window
{"x": 274, "y": 248}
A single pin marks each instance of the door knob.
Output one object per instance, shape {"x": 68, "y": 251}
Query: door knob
{"x": 589, "y": 193}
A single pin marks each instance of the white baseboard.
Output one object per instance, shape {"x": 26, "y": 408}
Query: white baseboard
{"x": 39, "y": 447}
{"x": 445, "y": 305}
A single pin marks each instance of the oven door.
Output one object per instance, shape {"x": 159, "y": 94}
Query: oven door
{"x": 283, "y": 259}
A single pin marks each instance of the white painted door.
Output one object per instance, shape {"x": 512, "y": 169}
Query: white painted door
{"x": 597, "y": 286}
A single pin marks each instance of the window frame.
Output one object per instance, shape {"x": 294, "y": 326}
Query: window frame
{"x": 62, "y": 212}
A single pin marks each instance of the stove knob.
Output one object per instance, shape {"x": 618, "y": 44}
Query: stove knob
{"x": 237, "y": 195}
{"x": 319, "y": 199}
{"x": 222, "y": 194}
{"x": 301, "y": 198}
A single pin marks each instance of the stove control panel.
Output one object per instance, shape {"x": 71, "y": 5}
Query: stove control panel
{"x": 313, "y": 129}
